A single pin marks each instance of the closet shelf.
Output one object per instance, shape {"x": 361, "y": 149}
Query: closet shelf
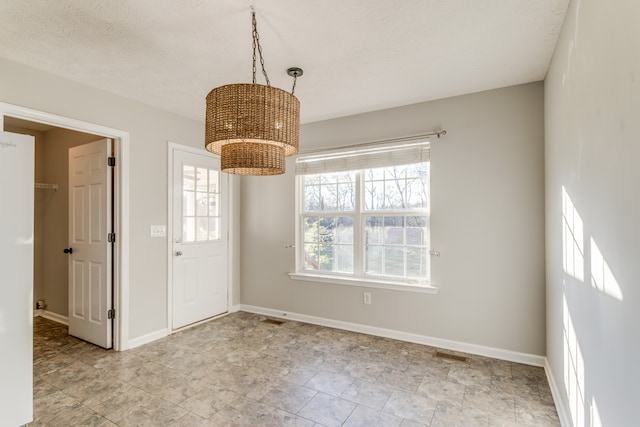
{"x": 43, "y": 186}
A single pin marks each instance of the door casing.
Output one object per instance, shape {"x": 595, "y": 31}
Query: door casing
{"x": 121, "y": 205}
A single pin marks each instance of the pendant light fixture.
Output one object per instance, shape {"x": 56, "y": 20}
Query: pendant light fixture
{"x": 253, "y": 127}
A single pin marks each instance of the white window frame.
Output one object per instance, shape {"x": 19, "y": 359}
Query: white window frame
{"x": 378, "y": 157}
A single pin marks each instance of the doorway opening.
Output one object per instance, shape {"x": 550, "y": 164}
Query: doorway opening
{"x": 54, "y": 136}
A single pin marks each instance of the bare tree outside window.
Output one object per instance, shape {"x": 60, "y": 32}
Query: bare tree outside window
{"x": 382, "y": 210}
{"x": 328, "y": 238}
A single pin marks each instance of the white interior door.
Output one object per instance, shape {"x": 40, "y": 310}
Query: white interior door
{"x": 90, "y": 223}
{"x": 199, "y": 241}
{"x": 16, "y": 281}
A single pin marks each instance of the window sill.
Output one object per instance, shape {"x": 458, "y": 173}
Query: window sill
{"x": 365, "y": 283}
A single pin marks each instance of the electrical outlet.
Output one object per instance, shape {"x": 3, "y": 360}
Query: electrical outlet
{"x": 367, "y": 297}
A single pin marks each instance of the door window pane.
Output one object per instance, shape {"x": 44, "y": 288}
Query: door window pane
{"x": 188, "y": 203}
{"x": 214, "y": 176}
{"x": 213, "y": 205}
{"x": 201, "y": 182}
{"x": 202, "y": 232}
{"x": 214, "y": 226}
{"x": 188, "y": 229}
{"x": 200, "y": 204}
{"x": 188, "y": 177}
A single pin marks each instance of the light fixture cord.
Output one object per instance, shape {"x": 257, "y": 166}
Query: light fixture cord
{"x": 295, "y": 79}
{"x": 256, "y": 43}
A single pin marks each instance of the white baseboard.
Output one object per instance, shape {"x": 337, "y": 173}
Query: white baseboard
{"x": 496, "y": 353}
{"x": 146, "y": 339}
{"x": 561, "y": 408}
{"x": 50, "y": 315}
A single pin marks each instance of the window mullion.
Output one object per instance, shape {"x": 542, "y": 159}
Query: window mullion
{"x": 358, "y": 229}
{"x": 300, "y": 221}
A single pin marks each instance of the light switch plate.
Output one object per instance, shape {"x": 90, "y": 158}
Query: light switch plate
{"x": 158, "y": 231}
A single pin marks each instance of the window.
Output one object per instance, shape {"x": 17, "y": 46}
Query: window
{"x": 363, "y": 215}
{"x": 200, "y": 204}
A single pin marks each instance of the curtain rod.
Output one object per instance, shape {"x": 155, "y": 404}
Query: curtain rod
{"x": 437, "y": 133}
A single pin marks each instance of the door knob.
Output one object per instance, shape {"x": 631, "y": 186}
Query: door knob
{"x": 179, "y": 253}
{"x": 68, "y": 250}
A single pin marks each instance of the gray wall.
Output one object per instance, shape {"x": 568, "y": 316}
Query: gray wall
{"x": 487, "y": 219}
{"x": 592, "y": 110}
{"x": 149, "y": 129}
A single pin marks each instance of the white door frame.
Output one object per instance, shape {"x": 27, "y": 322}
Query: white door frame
{"x": 171, "y": 148}
{"x": 121, "y": 205}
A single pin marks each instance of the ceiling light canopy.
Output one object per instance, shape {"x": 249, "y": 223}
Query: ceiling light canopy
{"x": 253, "y": 127}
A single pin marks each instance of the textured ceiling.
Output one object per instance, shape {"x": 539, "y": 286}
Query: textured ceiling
{"x": 357, "y": 55}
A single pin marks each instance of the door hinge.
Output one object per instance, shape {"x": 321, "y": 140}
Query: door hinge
{"x": 111, "y": 314}
{"x": 111, "y": 161}
{"x": 111, "y": 237}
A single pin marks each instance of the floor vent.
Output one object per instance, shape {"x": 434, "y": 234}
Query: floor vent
{"x": 273, "y": 321}
{"x": 451, "y": 357}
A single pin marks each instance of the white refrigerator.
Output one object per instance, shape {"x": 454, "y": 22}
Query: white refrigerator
{"x": 16, "y": 278}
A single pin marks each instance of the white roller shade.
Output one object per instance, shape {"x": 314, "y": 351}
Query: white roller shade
{"x": 383, "y": 155}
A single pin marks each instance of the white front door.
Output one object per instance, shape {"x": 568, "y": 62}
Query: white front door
{"x": 16, "y": 281}
{"x": 90, "y": 223}
{"x": 199, "y": 241}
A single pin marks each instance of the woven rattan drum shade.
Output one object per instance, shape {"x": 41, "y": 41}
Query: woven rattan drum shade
{"x": 250, "y": 158}
{"x": 252, "y": 113}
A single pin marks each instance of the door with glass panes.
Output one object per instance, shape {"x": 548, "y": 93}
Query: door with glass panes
{"x": 199, "y": 245}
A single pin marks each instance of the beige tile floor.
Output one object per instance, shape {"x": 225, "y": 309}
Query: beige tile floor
{"x": 240, "y": 371}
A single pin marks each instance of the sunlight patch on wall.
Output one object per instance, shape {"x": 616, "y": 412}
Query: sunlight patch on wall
{"x": 572, "y": 238}
{"x": 573, "y": 368}
{"x": 595, "y": 414}
{"x": 601, "y": 276}
{"x": 3, "y": 323}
